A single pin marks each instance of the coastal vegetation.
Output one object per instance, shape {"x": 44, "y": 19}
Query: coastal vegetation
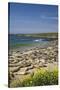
{"x": 40, "y": 77}
{"x": 41, "y": 35}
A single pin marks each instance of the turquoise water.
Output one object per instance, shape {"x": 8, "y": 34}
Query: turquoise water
{"x": 21, "y": 41}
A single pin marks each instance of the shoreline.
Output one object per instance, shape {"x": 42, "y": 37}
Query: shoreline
{"x": 25, "y": 62}
{"x": 30, "y": 47}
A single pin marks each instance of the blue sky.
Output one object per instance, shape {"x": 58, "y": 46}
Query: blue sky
{"x": 33, "y": 18}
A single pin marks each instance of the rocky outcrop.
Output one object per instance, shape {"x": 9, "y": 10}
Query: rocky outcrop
{"x": 25, "y": 63}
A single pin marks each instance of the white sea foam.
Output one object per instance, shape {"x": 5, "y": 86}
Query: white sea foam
{"x": 37, "y": 40}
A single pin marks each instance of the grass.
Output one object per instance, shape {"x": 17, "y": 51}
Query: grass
{"x": 41, "y": 35}
{"x": 39, "y": 78}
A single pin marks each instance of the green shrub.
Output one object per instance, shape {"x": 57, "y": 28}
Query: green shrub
{"x": 45, "y": 78}
{"x": 40, "y": 78}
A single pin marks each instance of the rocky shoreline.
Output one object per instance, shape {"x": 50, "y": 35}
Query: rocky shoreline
{"x": 26, "y": 62}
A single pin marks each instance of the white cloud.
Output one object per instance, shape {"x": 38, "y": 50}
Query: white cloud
{"x": 49, "y": 17}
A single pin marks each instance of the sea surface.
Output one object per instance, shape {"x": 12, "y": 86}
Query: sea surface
{"x": 15, "y": 41}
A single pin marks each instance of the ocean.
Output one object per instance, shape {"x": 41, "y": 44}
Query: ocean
{"x": 23, "y": 41}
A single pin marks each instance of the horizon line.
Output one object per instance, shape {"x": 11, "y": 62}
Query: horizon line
{"x": 33, "y": 33}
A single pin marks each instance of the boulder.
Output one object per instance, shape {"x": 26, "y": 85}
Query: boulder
{"x": 49, "y": 48}
{"x": 42, "y": 60}
{"x": 30, "y": 67}
{"x": 22, "y": 71}
{"x": 14, "y": 69}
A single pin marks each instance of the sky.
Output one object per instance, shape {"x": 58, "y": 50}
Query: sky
{"x": 32, "y": 18}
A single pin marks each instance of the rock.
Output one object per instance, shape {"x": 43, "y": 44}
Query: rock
{"x": 14, "y": 69}
{"x": 56, "y": 59}
{"x": 22, "y": 71}
{"x": 31, "y": 72}
{"x": 30, "y": 67}
{"x": 14, "y": 64}
{"x": 15, "y": 61}
{"x": 10, "y": 76}
{"x": 11, "y": 60}
{"x": 33, "y": 57}
{"x": 50, "y": 61}
{"x": 13, "y": 53}
{"x": 45, "y": 52}
{"x": 43, "y": 49}
{"x": 40, "y": 64}
{"x": 19, "y": 56}
{"x": 17, "y": 51}
{"x": 49, "y": 48}
{"x": 11, "y": 57}
{"x": 26, "y": 63}
{"x": 44, "y": 65}
{"x": 37, "y": 61}
{"x": 36, "y": 66}
{"x": 42, "y": 60}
